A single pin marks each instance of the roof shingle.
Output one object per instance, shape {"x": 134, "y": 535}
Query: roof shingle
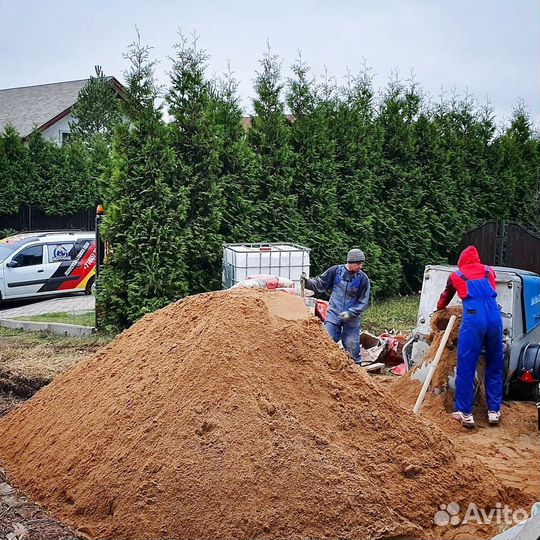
{"x": 28, "y": 108}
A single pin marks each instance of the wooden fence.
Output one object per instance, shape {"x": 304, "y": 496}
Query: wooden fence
{"x": 505, "y": 244}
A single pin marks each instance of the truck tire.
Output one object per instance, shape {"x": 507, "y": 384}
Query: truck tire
{"x": 90, "y": 286}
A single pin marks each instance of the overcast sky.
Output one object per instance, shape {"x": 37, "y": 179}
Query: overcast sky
{"x": 488, "y": 47}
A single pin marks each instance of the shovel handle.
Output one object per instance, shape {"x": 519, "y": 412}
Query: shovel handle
{"x": 434, "y": 364}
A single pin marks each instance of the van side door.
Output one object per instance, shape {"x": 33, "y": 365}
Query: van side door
{"x": 25, "y": 272}
{"x": 66, "y": 264}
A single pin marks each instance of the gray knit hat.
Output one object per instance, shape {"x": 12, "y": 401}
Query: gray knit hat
{"x": 356, "y": 256}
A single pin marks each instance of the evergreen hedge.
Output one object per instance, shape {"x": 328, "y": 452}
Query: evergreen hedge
{"x": 326, "y": 165}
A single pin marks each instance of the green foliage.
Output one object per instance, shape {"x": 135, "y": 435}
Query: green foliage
{"x": 198, "y": 143}
{"x": 516, "y": 161}
{"x": 315, "y": 175}
{"x": 43, "y": 186}
{"x": 62, "y": 179}
{"x": 4, "y": 233}
{"x": 78, "y": 178}
{"x": 325, "y": 165}
{"x": 58, "y": 180}
{"x": 398, "y": 176}
{"x": 396, "y": 313}
{"x": 277, "y": 218}
{"x": 238, "y": 220}
{"x": 97, "y": 111}
{"x": 14, "y": 169}
{"x": 145, "y": 222}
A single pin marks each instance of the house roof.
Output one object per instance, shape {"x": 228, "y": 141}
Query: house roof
{"x": 37, "y": 107}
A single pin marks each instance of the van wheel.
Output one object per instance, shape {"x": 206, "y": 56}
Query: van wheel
{"x": 90, "y": 286}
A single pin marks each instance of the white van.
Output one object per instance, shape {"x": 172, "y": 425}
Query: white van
{"x": 43, "y": 263}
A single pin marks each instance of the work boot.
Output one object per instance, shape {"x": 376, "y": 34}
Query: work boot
{"x": 466, "y": 420}
{"x": 494, "y": 417}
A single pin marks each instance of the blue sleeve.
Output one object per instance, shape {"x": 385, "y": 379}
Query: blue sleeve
{"x": 363, "y": 298}
{"x": 324, "y": 282}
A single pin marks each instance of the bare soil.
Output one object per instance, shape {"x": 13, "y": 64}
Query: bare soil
{"x": 23, "y": 519}
{"x": 233, "y": 415}
{"x": 27, "y": 363}
{"x": 511, "y": 451}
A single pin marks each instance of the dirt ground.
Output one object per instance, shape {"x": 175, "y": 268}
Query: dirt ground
{"x": 21, "y": 519}
{"x": 27, "y": 363}
{"x": 30, "y": 361}
{"x": 511, "y": 451}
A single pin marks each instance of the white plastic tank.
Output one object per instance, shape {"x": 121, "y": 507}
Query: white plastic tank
{"x": 241, "y": 261}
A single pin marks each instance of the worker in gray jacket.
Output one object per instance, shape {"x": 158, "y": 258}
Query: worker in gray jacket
{"x": 349, "y": 289}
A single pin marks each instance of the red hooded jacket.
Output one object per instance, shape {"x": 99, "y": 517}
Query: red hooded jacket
{"x": 471, "y": 267}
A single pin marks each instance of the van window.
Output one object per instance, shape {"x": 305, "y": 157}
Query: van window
{"x": 5, "y": 251}
{"x": 80, "y": 245}
{"x": 60, "y": 252}
{"x": 30, "y": 256}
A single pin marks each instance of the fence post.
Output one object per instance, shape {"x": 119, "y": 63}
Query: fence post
{"x": 502, "y": 235}
{"x": 100, "y": 251}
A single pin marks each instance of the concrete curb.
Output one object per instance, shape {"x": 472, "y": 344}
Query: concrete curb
{"x": 60, "y": 329}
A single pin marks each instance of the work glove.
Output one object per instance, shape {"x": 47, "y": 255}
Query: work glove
{"x": 345, "y": 316}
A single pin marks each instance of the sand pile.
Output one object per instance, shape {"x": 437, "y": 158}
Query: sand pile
{"x": 439, "y": 400}
{"x": 233, "y": 415}
{"x": 508, "y": 450}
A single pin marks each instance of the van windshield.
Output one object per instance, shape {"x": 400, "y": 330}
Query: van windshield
{"x": 6, "y": 251}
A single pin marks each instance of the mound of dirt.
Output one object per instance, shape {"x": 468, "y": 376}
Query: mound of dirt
{"x": 234, "y": 415}
{"x": 438, "y": 402}
{"x": 510, "y": 450}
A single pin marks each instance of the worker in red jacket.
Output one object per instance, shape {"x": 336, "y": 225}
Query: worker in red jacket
{"x": 481, "y": 328}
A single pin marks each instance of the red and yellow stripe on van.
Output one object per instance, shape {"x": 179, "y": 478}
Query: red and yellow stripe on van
{"x": 74, "y": 275}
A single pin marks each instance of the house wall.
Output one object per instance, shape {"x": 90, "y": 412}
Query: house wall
{"x": 54, "y": 132}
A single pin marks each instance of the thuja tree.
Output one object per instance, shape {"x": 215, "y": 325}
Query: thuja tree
{"x": 365, "y": 219}
{"x": 15, "y": 167}
{"x": 198, "y": 142}
{"x": 402, "y": 183}
{"x": 146, "y": 213}
{"x": 61, "y": 179}
{"x": 277, "y": 217}
{"x": 95, "y": 117}
{"x": 238, "y": 223}
{"x": 97, "y": 111}
{"x": 315, "y": 170}
{"x": 517, "y": 165}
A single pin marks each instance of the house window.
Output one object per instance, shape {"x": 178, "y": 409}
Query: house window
{"x": 64, "y": 137}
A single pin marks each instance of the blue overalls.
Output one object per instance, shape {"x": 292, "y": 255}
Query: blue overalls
{"x": 348, "y": 292}
{"x": 481, "y": 327}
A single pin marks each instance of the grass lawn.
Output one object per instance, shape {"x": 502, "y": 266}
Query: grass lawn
{"x": 82, "y": 319}
{"x": 399, "y": 313}
{"x": 35, "y": 338}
